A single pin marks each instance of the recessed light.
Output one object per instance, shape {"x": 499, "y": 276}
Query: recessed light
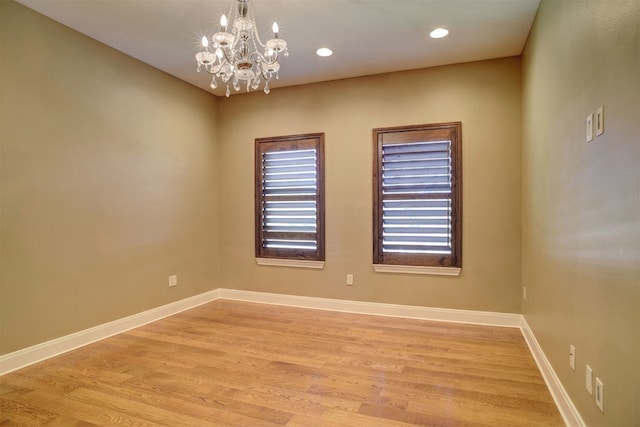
{"x": 324, "y": 51}
{"x": 439, "y": 33}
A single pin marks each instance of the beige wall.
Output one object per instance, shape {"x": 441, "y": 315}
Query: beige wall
{"x": 581, "y": 202}
{"x": 107, "y": 183}
{"x": 484, "y": 96}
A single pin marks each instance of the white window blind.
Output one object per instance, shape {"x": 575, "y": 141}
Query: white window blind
{"x": 290, "y": 188}
{"x": 417, "y": 225}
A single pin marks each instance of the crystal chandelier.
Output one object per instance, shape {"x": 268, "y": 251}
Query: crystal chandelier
{"x": 238, "y": 57}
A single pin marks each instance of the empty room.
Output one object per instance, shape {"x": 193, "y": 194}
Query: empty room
{"x": 320, "y": 213}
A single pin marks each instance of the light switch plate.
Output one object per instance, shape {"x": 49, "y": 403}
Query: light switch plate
{"x": 599, "y": 118}
{"x": 572, "y": 357}
{"x": 600, "y": 394}
{"x": 589, "y": 124}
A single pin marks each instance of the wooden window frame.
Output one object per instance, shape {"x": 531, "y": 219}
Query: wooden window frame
{"x": 285, "y": 143}
{"x": 408, "y": 134}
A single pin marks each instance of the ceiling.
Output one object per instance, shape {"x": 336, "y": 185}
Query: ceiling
{"x": 366, "y": 36}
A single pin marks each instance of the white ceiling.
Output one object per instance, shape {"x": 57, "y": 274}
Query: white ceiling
{"x": 367, "y": 36}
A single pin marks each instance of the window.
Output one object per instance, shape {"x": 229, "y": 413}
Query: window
{"x": 290, "y": 197}
{"x": 417, "y": 195}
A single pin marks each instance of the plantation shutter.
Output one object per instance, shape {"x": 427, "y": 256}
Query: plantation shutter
{"x": 417, "y": 207}
{"x": 289, "y": 200}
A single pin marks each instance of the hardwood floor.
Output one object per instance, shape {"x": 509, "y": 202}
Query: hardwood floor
{"x": 230, "y": 363}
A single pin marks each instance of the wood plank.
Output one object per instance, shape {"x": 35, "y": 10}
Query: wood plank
{"x": 231, "y": 363}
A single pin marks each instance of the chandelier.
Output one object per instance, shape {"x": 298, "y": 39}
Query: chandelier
{"x": 235, "y": 55}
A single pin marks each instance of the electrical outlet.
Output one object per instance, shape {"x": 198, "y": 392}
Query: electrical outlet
{"x": 600, "y": 394}
{"x": 349, "y": 279}
{"x": 173, "y": 281}
{"x": 589, "y": 380}
{"x": 572, "y": 357}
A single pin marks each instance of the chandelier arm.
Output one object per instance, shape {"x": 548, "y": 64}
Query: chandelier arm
{"x": 266, "y": 76}
{"x": 263, "y": 58}
{"x": 255, "y": 57}
{"x": 275, "y": 58}
{"x": 236, "y": 56}
{"x": 225, "y": 55}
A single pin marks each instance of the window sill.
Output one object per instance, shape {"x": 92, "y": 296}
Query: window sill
{"x": 297, "y": 263}
{"x": 413, "y": 269}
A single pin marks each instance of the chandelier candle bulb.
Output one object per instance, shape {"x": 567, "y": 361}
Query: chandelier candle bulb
{"x": 275, "y": 30}
{"x": 223, "y": 24}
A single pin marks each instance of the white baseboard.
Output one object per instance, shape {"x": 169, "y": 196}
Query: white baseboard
{"x": 37, "y": 353}
{"x": 377, "y": 309}
{"x": 28, "y": 356}
{"x": 566, "y": 407}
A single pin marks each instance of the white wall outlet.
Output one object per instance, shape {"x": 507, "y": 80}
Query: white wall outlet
{"x": 589, "y": 124}
{"x": 349, "y": 279}
{"x": 173, "y": 280}
{"x": 589, "y": 380}
{"x": 599, "y": 119}
{"x": 572, "y": 357}
{"x": 600, "y": 394}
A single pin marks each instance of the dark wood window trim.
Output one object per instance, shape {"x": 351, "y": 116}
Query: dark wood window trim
{"x": 289, "y": 223}
{"x": 410, "y": 208}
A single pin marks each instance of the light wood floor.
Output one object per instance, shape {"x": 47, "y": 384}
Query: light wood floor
{"x": 231, "y": 363}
